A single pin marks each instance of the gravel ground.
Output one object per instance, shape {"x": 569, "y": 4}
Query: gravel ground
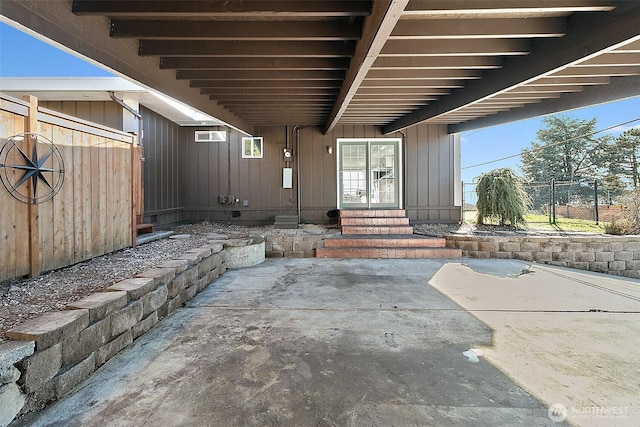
{"x": 22, "y": 299}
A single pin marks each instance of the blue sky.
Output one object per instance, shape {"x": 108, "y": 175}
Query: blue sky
{"x": 478, "y": 146}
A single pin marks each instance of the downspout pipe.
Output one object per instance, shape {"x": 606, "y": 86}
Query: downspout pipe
{"x": 135, "y": 113}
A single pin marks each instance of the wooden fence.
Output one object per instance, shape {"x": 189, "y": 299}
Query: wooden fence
{"x": 94, "y": 211}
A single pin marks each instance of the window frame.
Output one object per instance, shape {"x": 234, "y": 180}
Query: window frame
{"x": 252, "y": 140}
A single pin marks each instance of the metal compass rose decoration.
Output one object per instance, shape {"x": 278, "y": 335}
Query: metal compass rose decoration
{"x": 31, "y": 158}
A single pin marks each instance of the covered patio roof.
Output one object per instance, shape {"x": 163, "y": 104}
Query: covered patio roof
{"x": 393, "y": 64}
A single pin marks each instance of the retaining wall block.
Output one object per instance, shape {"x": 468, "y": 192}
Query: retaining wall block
{"x": 600, "y": 266}
{"x": 636, "y": 255}
{"x": 73, "y": 376}
{"x": 613, "y": 247}
{"x": 214, "y": 274}
{"x": 175, "y": 303}
{"x": 125, "y": 318}
{"x": 282, "y": 244}
{"x": 501, "y": 255}
{"x": 479, "y": 254}
{"x": 573, "y": 247}
{"x": 274, "y": 254}
{"x": 294, "y": 254}
{"x": 192, "y": 259}
{"x": 523, "y": 256}
{"x": 603, "y": 256}
{"x": 50, "y": 328}
{"x": 101, "y": 304}
{"x": 144, "y": 325}
{"x": 632, "y": 246}
{"x": 595, "y": 246}
{"x": 39, "y": 368}
{"x": 631, "y": 273}
{"x": 11, "y": 401}
{"x": 617, "y": 265}
{"x": 563, "y": 256}
{"x": 76, "y": 348}
{"x": 530, "y": 246}
{"x": 467, "y": 245}
{"x": 201, "y": 253}
{"x": 310, "y": 253}
{"x": 154, "y": 300}
{"x": 303, "y": 246}
{"x": 201, "y": 283}
{"x": 207, "y": 265}
{"x": 160, "y": 275}
{"x": 113, "y": 347}
{"x": 179, "y": 265}
{"x": 11, "y": 352}
{"x": 489, "y": 246}
{"x": 632, "y": 265}
{"x": 542, "y": 256}
{"x": 585, "y": 257}
{"x": 178, "y": 284}
{"x": 578, "y": 265}
{"x": 510, "y": 247}
{"x": 623, "y": 256}
{"x": 135, "y": 288}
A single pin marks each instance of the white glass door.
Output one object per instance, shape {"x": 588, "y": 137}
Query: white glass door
{"x": 368, "y": 173}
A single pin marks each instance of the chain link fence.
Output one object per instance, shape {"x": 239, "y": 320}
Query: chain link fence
{"x": 553, "y": 200}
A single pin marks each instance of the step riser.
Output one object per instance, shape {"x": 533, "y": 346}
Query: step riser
{"x": 383, "y": 213}
{"x": 374, "y": 253}
{"x": 354, "y": 229}
{"x": 374, "y": 221}
{"x": 384, "y": 243}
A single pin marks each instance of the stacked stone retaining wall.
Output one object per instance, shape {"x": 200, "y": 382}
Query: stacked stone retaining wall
{"x": 49, "y": 355}
{"x": 619, "y": 255}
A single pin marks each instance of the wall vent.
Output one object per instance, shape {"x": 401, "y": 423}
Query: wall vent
{"x": 211, "y": 136}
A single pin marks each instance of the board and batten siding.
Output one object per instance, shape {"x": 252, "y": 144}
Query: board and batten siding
{"x": 160, "y": 169}
{"x": 208, "y": 170}
{"x": 93, "y": 212}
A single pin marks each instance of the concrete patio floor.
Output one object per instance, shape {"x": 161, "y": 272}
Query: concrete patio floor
{"x": 299, "y": 342}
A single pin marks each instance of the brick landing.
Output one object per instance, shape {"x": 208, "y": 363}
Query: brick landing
{"x": 382, "y": 234}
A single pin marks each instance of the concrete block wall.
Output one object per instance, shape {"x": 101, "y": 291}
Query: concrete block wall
{"x": 619, "y": 255}
{"x": 49, "y": 355}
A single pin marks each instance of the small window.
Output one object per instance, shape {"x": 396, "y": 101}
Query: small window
{"x": 211, "y": 136}
{"x": 252, "y": 148}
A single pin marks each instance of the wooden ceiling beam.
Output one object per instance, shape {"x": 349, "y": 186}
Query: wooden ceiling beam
{"x": 589, "y": 35}
{"x": 256, "y": 49}
{"x": 492, "y": 28}
{"x": 330, "y": 30}
{"x": 267, "y": 84}
{"x": 375, "y": 31}
{"x": 423, "y": 74}
{"x": 256, "y": 8}
{"x": 264, "y": 63}
{"x": 437, "y": 63}
{"x": 259, "y": 75}
{"x": 490, "y": 47}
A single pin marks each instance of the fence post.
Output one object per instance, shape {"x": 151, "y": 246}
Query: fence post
{"x": 31, "y": 126}
{"x": 553, "y": 200}
{"x": 595, "y": 188}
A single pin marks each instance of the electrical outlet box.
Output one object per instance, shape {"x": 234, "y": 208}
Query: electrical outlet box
{"x": 222, "y": 200}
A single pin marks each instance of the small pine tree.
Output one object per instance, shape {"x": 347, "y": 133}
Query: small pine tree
{"x": 501, "y": 197}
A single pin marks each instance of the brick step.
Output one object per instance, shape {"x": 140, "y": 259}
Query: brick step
{"x": 377, "y": 229}
{"x": 388, "y": 241}
{"x": 389, "y": 253}
{"x": 384, "y": 213}
{"x": 374, "y": 221}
